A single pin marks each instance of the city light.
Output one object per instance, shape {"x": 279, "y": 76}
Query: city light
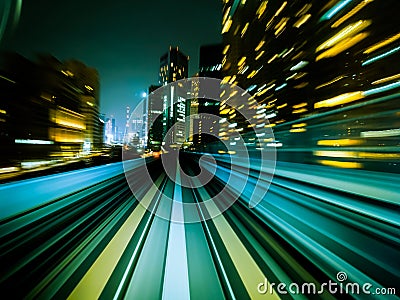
{"x": 382, "y": 44}
{"x": 346, "y": 32}
{"x": 33, "y": 142}
{"x": 351, "y": 13}
{"x": 379, "y": 57}
{"x": 339, "y": 100}
{"x": 299, "y": 66}
{"x": 335, "y": 9}
{"x": 382, "y": 89}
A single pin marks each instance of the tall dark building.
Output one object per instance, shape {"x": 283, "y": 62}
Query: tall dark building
{"x": 210, "y": 61}
{"x": 203, "y": 125}
{"x": 173, "y": 67}
{"x": 154, "y": 119}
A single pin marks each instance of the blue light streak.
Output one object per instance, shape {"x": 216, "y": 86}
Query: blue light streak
{"x": 281, "y": 87}
{"x": 334, "y": 10}
{"x": 383, "y": 55}
{"x": 382, "y": 88}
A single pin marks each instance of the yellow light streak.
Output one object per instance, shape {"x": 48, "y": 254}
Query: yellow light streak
{"x": 281, "y": 8}
{"x": 260, "y": 45}
{"x": 261, "y": 9}
{"x": 226, "y": 49}
{"x": 252, "y": 74}
{"x": 330, "y": 82}
{"x": 281, "y": 106}
{"x": 357, "y": 154}
{"x": 303, "y": 10}
{"x": 341, "y": 164}
{"x": 299, "y": 125}
{"x": 241, "y": 61}
{"x": 297, "y": 130}
{"x": 67, "y": 123}
{"x": 386, "y": 79}
{"x": 247, "y": 268}
{"x": 340, "y": 142}
{"x": 273, "y": 58}
{"x": 227, "y": 26}
{"x": 259, "y": 55}
{"x": 299, "y": 111}
{"x": 226, "y": 15}
{"x": 351, "y": 13}
{"x": 302, "y": 20}
{"x": 342, "y": 46}
{"x": 225, "y": 111}
{"x": 348, "y": 31}
{"x": 382, "y": 44}
{"x": 245, "y": 29}
{"x": 339, "y": 100}
{"x": 226, "y": 79}
{"x": 281, "y": 26}
{"x": 93, "y": 282}
{"x": 300, "y": 105}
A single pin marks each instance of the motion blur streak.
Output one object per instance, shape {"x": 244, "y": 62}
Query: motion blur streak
{"x": 92, "y": 239}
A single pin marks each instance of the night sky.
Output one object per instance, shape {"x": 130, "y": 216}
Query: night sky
{"x": 123, "y": 40}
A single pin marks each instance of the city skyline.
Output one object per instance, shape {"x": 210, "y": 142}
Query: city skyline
{"x": 125, "y": 48}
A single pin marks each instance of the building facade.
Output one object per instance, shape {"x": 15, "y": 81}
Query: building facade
{"x": 173, "y": 67}
{"x": 204, "y": 127}
{"x": 308, "y": 63}
{"x": 154, "y": 119}
{"x": 88, "y": 82}
{"x": 43, "y": 114}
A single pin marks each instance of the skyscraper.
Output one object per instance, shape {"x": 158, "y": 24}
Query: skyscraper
{"x": 203, "y": 125}
{"x": 154, "y": 119}
{"x": 173, "y": 67}
{"x": 210, "y": 62}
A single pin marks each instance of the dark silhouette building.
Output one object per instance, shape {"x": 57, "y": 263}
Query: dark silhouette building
{"x": 210, "y": 61}
{"x": 154, "y": 119}
{"x": 204, "y": 126}
{"x": 173, "y": 67}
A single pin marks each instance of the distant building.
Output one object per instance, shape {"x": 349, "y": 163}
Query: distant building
{"x": 173, "y": 66}
{"x": 136, "y": 124}
{"x": 110, "y": 131}
{"x": 154, "y": 119}
{"x": 102, "y": 118}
